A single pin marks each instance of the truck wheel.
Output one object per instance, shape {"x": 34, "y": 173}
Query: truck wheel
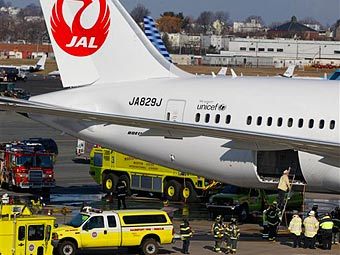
{"x": 149, "y": 247}
{"x": 172, "y": 189}
{"x": 109, "y": 182}
{"x": 188, "y": 193}
{"x": 67, "y": 248}
{"x": 126, "y": 179}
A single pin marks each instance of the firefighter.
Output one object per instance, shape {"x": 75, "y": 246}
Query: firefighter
{"x": 336, "y": 229}
{"x": 283, "y": 187}
{"x": 326, "y": 229}
{"x": 273, "y": 217}
{"x": 265, "y": 224}
{"x": 311, "y": 229}
{"x": 218, "y": 231}
{"x": 186, "y": 233}
{"x": 232, "y": 234}
{"x": 295, "y": 227}
{"x": 121, "y": 193}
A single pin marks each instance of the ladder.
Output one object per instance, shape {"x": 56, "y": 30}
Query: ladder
{"x": 286, "y": 200}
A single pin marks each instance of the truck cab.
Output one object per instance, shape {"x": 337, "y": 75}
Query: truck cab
{"x": 23, "y": 233}
{"x": 94, "y": 228}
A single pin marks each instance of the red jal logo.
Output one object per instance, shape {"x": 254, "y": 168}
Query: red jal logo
{"x": 77, "y": 40}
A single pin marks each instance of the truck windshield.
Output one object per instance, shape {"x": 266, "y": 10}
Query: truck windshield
{"x": 78, "y": 220}
{"x": 44, "y": 161}
{"x": 26, "y": 161}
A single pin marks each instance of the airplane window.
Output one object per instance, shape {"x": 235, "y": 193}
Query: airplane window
{"x": 290, "y": 122}
{"x": 311, "y": 123}
{"x": 198, "y": 117}
{"x": 249, "y": 120}
{"x": 259, "y": 121}
{"x": 332, "y": 124}
{"x": 300, "y": 123}
{"x": 228, "y": 119}
{"x": 207, "y": 118}
{"x": 269, "y": 121}
{"x": 168, "y": 116}
{"x": 279, "y": 122}
{"x": 217, "y": 118}
{"x": 321, "y": 124}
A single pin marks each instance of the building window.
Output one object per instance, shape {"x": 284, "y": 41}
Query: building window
{"x": 290, "y": 122}
{"x": 261, "y": 49}
{"x": 279, "y": 122}
{"x": 207, "y": 118}
{"x": 279, "y": 50}
{"x": 251, "y": 49}
{"x": 249, "y": 120}
{"x": 269, "y": 121}
{"x": 300, "y": 124}
{"x": 217, "y": 118}
{"x": 337, "y": 52}
{"x": 243, "y": 48}
{"x": 321, "y": 124}
{"x": 228, "y": 119}
{"x": 311, "y": 123}
{"x": 259, "y": 120}
{"x": 270, "y": 49}
{"x": 198, "y": 117}
{"x": 332, "y": 124}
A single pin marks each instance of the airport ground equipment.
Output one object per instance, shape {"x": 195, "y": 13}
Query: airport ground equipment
{"x": 93, "y": 228}
{"x": 25, "y": 165}
{"x": 233, "y": 201}
{"x": 21, "y": 232}
{"x": 107, "y": 167}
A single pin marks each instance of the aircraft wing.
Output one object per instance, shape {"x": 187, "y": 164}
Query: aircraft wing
{"x": 177, "y": 130}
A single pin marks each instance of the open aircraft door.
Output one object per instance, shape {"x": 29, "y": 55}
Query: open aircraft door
{"x": 175, "y": 110}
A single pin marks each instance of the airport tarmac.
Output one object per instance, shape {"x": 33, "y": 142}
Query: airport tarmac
{"x": 74, "y": 185}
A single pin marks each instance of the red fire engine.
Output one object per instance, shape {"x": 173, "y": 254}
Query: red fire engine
{"x": 26, "y": 165}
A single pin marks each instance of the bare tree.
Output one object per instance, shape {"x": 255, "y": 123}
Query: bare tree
{"x": 205, "y": 19}
{"x": 255, "y": 17}
{"x": 139, "y": 12}
{"x": 222, "y": 16}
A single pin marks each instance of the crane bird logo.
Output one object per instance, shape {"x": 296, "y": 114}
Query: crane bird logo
{"x": 77, "y": 40}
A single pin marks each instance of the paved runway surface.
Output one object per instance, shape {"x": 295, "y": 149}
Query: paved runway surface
{"x": 74, "y": 185}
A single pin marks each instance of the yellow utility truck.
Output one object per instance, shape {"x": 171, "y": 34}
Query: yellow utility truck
{"x": 93, "y": 228}
{"x": 107, "y": 167}
{"x": 22, "y": 233}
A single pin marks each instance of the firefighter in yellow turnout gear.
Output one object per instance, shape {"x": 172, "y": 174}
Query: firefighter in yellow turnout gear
{"x": 232, "y": 235}
{"x": 295, "y": 227}
{"x": 218, "y": 231}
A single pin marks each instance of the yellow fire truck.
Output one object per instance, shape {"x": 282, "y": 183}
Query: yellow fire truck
{"x": 107, "y": 167}
{"x": 23, "y": 233}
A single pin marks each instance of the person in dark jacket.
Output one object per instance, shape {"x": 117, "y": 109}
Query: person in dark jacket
{"x": 121, "y": 191}
{"x": 326, "y": 229}
{"x": 273, "y": 218}
{"x": 186, "y": 234}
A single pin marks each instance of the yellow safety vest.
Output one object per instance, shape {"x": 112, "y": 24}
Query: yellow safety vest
{"x": 295, "y": 226}
{"x": 326, "y": 223}
{"x": 311, "y": 226}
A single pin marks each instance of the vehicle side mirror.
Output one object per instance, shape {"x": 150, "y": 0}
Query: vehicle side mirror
{"x": 86, "y": 227}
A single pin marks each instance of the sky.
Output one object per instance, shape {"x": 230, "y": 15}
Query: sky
{"x": 326, "y": 11}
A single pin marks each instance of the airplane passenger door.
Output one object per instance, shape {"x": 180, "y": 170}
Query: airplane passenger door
{"x": 175, "y": 110}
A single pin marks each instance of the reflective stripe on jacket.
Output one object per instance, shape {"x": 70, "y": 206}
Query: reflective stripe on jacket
{"x": 232, "y": 231}
{"x": 218, "y": 230}
{"x": 311, "y": 226}
{"x": 185, "y": 231}
{"x": 295, "y": 225}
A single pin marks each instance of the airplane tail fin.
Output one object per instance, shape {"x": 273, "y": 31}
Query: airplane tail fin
{"x": 98, "y": 42}
{"x": 154, "y": 36}
{"x": 289, "y": 72}
{"x": 41, "y": 63}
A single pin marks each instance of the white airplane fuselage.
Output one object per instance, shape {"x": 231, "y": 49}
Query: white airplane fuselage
{"x": 220, "y": 102}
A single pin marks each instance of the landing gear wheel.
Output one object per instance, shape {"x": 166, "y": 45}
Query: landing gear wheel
{"x": 149, "y": 247}
{"x": 109, "y": 182}
{"x": 188, "y": 193}
{"x": 172, "y": 190}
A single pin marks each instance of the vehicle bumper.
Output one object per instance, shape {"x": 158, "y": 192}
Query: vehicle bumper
{"x": 37, "y": 185}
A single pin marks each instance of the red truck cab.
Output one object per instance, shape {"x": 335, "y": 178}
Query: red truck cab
{"x": 26, "y": 165}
